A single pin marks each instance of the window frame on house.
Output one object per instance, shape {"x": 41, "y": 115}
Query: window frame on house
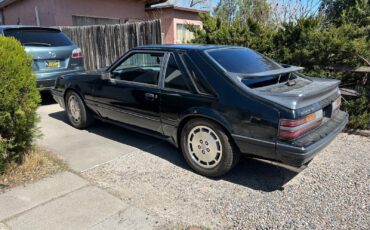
{"x": 186, "y": 35}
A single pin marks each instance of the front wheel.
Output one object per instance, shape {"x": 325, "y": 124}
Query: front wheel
{"x": 207, "y": 148}
{"x": 79, "y": 115}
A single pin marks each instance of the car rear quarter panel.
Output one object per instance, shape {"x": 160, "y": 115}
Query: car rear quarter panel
{"x": 83, "y": 84}
{"x": 252, "y": 122}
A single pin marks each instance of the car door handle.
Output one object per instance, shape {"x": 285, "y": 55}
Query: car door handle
{"x": 151, "y": 96}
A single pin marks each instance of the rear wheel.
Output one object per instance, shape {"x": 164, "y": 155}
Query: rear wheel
{"x": 78, "y": 114}
{"x": 207, "y": 148}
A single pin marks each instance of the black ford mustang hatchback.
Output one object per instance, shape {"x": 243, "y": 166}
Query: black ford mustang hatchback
{"x": 213, "y": 102}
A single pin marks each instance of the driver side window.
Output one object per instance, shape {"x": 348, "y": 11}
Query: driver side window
{"x": 140, "y": 67}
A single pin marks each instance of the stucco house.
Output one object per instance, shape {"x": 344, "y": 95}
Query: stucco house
{"x": 93, "y": 12}
{"x": 174, "y": 20}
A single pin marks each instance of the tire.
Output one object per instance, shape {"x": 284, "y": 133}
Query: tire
{"x": 78, "y": 114}
{"x": 214, "y": 158}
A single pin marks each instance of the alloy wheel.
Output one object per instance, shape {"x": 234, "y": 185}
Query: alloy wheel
{"x": 205, "y": 147}
{"x": 74, "y": 108}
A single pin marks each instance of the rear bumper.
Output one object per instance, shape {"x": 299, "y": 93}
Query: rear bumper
{"x": 45, "y": 84}
{"x": 304, "y": 149}
{"x": 58, "y": 97}
{"x": 46, "y": 81}
{"x": 300, "y": 151}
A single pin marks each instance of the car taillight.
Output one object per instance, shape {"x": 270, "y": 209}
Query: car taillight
{"x": 292, "y": 129}
{"x": 77, "y": 53}
{"x": 336, "y": 104}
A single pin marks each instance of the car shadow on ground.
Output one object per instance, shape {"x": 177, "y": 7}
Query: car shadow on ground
{"x": 250, "y": 173}
{"x": 46, "y": 98}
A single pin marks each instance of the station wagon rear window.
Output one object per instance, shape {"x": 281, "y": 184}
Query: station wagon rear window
{"x": 242, "y": 60}
{"x": 39, "y": 37}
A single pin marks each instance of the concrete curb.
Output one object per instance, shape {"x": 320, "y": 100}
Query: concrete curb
{"x": 360, "y": 132}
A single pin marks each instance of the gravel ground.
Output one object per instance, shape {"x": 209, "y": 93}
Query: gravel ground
{"x": 332, "y": 193}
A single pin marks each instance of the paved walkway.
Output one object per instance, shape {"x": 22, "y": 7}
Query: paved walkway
{"x": 65, "y": 200}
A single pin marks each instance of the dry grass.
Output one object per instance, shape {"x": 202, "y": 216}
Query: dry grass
{"x": 38, "y": 164}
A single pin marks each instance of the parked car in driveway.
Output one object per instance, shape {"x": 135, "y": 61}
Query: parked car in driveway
{"x": 213, "y": 102}
{"x": 53, "y": 53}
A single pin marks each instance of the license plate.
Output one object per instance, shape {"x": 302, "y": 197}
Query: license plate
{"x": 336, "y": 104}
{"x": 52, "y": 64}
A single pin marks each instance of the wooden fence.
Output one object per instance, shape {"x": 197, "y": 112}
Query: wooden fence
{"x": 103, "y": 44}
{"x": 365, "y": 70}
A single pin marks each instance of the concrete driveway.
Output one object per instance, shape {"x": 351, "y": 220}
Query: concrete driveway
{"x": 104, "y": 143}
{"x": 152, "y": 176}
{"x": 66, "y": 200}
{"x": 85, "y": 149}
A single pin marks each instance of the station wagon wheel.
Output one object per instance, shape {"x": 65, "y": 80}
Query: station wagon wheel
{"x": 207, "y": 148}
{"x": 78, "y": 114}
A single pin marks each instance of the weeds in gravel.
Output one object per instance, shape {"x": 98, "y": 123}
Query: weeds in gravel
{"x": 37, "y": 164}
{"x": 181, "y": 227}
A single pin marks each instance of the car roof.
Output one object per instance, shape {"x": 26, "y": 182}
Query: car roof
{"x": 4, "y": 27}
{"x": 182, "y": 47}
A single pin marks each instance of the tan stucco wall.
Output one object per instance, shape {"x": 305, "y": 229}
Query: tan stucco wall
{"x": 169, "y": 20}
{"x": 25, "y": 11}
{"x": 59, "y": 12}
{"x": 117, "y": 9}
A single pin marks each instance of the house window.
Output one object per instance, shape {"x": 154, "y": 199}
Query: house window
{"x": 183, "y": 35}
{"x": 86, "y": 21}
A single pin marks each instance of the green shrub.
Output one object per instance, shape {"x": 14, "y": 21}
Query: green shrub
{"x": 338, "y": 36}
{"x": 19, "y": 99}
{"x": 306, "y": 43}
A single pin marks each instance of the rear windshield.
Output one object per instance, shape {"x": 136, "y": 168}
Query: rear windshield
{"x": 242, "y": 60}
{"x": 39, "y": 37}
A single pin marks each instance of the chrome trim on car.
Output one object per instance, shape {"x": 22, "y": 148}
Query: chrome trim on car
{"x": 253, "y": 140}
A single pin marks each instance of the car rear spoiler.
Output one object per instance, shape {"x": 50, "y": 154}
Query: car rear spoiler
{"x": 298, "y": 98}
{"x": 271, "y": 72}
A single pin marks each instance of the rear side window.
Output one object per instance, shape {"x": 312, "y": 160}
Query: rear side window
{"x": 196, "y": 76}
{"x": 243, "y": 60}
{"x": 174, "y": 78}
{"x": 39, "y": 37}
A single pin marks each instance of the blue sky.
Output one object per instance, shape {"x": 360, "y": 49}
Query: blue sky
{"x": 314, "y": 3}
{"x": 303, "y": 1}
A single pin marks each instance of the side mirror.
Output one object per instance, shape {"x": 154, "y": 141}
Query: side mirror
{"x": 106, "y": 76}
